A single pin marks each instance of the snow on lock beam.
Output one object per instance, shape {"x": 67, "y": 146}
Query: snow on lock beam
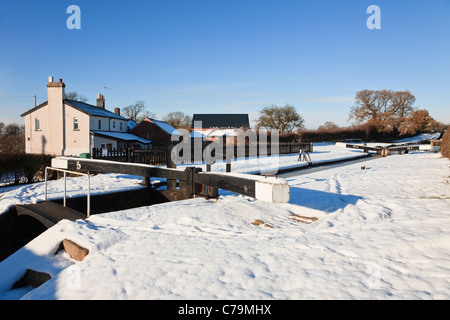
{"x": 106, "y": 166}
{"x": 270, "y": 189}
{"x": 273, "y": 191}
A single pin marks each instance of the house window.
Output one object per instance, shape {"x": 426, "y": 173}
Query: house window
{"x": 37, "y": 124}
{"x": 75, "y": 124}
{"x": 121, "y": 126}
{"x": 99, "y": 124}
{"x": 114, "y": 124}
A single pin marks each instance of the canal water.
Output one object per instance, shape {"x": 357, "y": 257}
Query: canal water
{"x": 309, "y": 170}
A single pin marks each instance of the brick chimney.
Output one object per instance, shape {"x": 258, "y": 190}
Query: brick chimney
{"x": 101, "y": 101}
{"x": 55, "y": 93}
{"x": 117, "y": 111}
{"x": 58, "y": 85}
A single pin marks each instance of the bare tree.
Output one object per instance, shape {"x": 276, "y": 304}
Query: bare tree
{"x": 12, "y": 138}
{"x": 14, "y": 143}
{"x": 372, "y": 107}
{"x": 137, "y": 112}
{"x": 74, "y": 95}
{"x": 286, "y": 119}
{"x": 387, "y": 110}
{"x": 392, "y": 111}
{"x": 329, "y": 125}
{"x": 13, "y": 129}
{"x": 401, "y": 107}
{"x": 179, "y": 120}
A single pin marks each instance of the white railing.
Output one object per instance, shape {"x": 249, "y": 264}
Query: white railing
{"x": 65, "y": 186}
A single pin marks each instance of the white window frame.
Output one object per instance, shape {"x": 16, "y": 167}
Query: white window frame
{"x": 37, "y": 124}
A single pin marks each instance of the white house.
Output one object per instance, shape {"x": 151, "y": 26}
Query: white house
{"x": 66, "y": 127}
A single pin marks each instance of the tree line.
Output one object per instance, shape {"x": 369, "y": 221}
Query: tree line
{"x": 12, "y": 138}
{"x": 15, "y": 166}
{"x": 388, "y": 112}
{"x": 392, "y": 111}
{"x": 383, "y": 111}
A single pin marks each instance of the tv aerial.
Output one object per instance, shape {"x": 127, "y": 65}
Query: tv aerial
{"x": 105, "y": 88}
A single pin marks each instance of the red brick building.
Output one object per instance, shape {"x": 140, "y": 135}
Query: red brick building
{"x": 158, "y": 132}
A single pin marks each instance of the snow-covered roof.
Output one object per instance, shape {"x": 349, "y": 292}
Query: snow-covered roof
{"x": 131, "y": 124}
{"x": 167, "y": 127}
{"x": 93, "y": 110}
{"x": 219, "y": 132}
{"x": 122, "y": 136}
{"x": 197, "y": 134}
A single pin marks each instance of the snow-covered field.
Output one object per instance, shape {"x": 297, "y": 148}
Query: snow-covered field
{"x": 347, "y": 233}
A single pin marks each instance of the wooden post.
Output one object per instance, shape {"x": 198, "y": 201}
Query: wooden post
{"x": 171, "y": 184}
{"x": 228, "y": 166}
{"x": 197, "y": 187}
{"x": 189, "y": 182}
{"x": 228, "y": 153}
{"x": 192, "y": 188}
{"x": 146, "y": 181}
{"x": 210, "y": 192}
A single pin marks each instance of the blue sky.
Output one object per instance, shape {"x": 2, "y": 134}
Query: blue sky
{"x": 226, "y": 56}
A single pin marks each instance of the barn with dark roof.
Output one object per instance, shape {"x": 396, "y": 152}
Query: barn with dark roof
{"x": 221, "y": 121}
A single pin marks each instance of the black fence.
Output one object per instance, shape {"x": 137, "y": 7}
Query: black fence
{"x": 157, "y": 155}
{"x": 266, "y": 149}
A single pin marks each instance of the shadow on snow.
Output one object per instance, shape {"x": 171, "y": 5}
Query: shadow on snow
{"x": 321, "y": 200}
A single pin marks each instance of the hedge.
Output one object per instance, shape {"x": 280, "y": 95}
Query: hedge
{"x": 18, "y": 168}
{"x": 365, "y": 132}
{"x": 445, "y": 147}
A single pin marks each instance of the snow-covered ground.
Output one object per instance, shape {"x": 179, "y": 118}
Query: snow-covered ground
{"x": 347, "y": 233}
{"x": 419, "y": 138}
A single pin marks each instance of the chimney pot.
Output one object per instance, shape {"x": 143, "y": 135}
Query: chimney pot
{"x": 50, "y": 79}
{"x": 100, "y": 101}
{"x": 117, "y": 111}
{"x": 60, "y": 80}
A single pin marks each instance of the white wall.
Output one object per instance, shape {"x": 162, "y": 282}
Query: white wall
{"x": 77, "y": 141}
{"x": 107, "y": 124}
{"x": 98, "y": 141}
{"x": 37, "y": 141}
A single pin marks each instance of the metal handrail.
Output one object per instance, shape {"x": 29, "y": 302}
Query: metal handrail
{"x": 65, "y": 186}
